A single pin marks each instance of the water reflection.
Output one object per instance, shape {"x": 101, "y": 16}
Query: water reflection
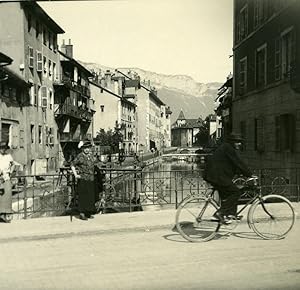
{"x": 170, "y": 181}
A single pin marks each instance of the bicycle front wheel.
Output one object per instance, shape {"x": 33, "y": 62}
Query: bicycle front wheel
{"x": 272, "y": 217}
{"x": 194, "y": 219}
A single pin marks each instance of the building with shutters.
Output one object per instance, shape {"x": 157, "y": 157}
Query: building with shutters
{"x": 29, "y": 36}
{"x": 114, "y": 109}
{"x": 266, "y": 81}
{"x": 73, "y": 104}
{"x": 14, "y": 94}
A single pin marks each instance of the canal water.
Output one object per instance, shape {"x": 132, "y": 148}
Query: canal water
{"x": 168, "y": 181}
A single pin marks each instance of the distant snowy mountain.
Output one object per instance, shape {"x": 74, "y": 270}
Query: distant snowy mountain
{"x": 177, "y": 91}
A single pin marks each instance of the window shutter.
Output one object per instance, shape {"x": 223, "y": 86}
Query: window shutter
{"x": 39, "y": 59}
{"x": 21, "y": 140}
{"x": 44, "y": 97}
{"x": 30, "y": 57}
{"x": 15, "y": 137}
{"x": 277, "y": 59}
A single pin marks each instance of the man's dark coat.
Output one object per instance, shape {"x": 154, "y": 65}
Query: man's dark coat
{"x": 223, "y": 165}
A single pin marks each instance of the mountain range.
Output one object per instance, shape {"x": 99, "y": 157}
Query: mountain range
{"x": 180, "y": 92}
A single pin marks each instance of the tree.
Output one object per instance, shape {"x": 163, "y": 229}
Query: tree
{"x": 110, "y": 138}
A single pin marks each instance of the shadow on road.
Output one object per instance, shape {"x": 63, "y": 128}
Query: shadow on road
{"x": 176, "y": 237}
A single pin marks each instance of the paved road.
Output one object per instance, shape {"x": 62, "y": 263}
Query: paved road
{"x": 155, "y": 259}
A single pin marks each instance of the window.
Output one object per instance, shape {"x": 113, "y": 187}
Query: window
{"x": 30, "y": 57}
{"x": 51, "y": 136}
{"x": 32, "y": 135}
{"x": 242, "y": 26}
{"x": 5, "y": 132}
{"x": 54, "y": 77}
{"x": 45, "y": 65}
{"x": 29, "y": 22}
{"x": 261, "y": 66}
{"x": 37, "y": 29}
{"x": 39, "y": 61}
{"x": 50, "y": 99}
{"x": 40, "y": 135}
{"x": 277, "y": 62}
{"x": 260, "y": 12}
{"x": 288, "y": 51}
{"x": 243, "y": 75}
{"x": 50, "y": 68}
{"x": 54, "y": 43}
{"x": 22, "y": 139}
{"x": 44, "y": 36}
{"x": 44, "y": 96}
{"x": 102, "y": 108}
{"x": 285, "y": 132}
{"x": 35, "y": 94}
{"x": 50, "y": 40}
{"x": 259, "y": 135}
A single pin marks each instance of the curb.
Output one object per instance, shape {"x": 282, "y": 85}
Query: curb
{"x": 84, "y": 233}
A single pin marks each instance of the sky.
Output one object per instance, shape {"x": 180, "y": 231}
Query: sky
{"x": 189, "y": 37}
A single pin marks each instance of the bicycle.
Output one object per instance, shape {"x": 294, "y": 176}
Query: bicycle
{"x": 271, "y": 217}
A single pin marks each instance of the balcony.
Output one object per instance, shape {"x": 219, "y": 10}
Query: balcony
{"x": 72, "y": 111}
{"x": 69, "y": 137}
{"x": 72, "y": 85}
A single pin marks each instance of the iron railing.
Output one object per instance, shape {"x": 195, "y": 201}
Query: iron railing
{"x": 134, "y": 188}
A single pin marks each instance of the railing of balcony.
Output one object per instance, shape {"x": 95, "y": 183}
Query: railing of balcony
{"x": 76, "y": 112}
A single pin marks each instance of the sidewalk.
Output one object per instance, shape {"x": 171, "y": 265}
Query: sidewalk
{"x": 59, "y": 227}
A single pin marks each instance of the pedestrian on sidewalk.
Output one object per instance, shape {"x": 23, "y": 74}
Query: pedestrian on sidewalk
{"x": 83, "y": 168}
{"x": 6, "y": 169}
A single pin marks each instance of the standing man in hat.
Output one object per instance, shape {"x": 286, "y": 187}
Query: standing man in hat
{"x": 6, "y": 169}
{"x": 83, "y": 168}
{"x": 220, "y": 170}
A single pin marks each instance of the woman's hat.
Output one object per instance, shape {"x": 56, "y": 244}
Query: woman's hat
{"x": 84, "y": 144}
{"x": 235, "y": 137}
{"x": 4, "y": 145}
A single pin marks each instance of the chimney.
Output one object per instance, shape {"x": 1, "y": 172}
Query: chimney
{"x": 108, "y": 79}
{"x": 69, "y": 49}
{"x": 63, "y": 47}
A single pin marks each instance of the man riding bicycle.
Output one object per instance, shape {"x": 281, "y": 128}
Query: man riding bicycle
{"x": 220, "y": 170}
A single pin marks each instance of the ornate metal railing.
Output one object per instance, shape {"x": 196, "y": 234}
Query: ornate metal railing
{"x": 162, "y": 185}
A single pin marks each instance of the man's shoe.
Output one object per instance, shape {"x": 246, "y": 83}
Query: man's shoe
{"x": 218, "y": 217}
{"x": 235, "y": 217}
{"x": 83, "y": 217}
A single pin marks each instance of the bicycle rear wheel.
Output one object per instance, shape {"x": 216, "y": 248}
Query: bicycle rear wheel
{"x": 272, "y": 217}
{"x": 194, "y": 219}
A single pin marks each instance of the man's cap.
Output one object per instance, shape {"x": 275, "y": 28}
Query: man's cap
{"x": 84, "y": 144}
{"x": 4, "y": 145}
{"x": 235, "y": 137}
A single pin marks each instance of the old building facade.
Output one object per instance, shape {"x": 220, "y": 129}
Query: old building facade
{"x": 184, "y": 131}
{"x": 14, "y": 94}
{"x": 29, "y": 36}
{"x": 73, "y": 105}
{"x": 114, "y": 108}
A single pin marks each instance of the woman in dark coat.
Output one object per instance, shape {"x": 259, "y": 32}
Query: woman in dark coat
{"x": 83, "y": 167}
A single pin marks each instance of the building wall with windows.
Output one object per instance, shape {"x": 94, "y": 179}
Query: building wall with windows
{"x": 13, "y": 97}
{"x": 32, "y": 43}
{"x": 265, "y": 107}
{"x": 107, "y": 108}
